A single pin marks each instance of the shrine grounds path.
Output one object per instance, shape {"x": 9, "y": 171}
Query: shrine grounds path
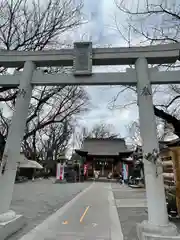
{"x": 79, "y": 211}
{"x": 91, "y": 214}
{"x": 37, "y": 200}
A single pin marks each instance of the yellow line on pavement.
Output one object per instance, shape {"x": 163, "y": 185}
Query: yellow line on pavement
{"x": 84, "y": 214}
{"x": 65, "y": 222}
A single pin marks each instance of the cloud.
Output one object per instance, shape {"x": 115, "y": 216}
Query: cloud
{"x": 100, "y": 98}
{"x": 104, "y": 22}
{"x": 103, "y": 30}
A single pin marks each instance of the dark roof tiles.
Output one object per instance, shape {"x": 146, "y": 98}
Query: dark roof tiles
{"x": 106, "y": 146}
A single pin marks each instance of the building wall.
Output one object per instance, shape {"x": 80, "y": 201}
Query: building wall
{"x": 171, "y": 171}
{"x": 167, "y": 161}
{"x": 111, "y": 167}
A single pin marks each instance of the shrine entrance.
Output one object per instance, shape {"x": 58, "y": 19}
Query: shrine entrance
{"x": 82, "y": 58}
{"x": 104, "y": 166}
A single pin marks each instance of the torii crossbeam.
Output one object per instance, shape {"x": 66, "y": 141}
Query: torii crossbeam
{"x": 82, "y": 57}
{"x": 158, "y": 54}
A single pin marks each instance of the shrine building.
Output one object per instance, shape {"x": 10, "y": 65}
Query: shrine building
{"x": 105, "y": 155}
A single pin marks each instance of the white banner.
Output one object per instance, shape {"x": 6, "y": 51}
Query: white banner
{"x": 60, "y": 171}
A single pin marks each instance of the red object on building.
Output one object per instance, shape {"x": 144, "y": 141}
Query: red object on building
{"x": 85, "y": 169}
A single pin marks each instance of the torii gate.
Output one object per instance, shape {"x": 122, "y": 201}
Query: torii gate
{"x": 82, "y": 57}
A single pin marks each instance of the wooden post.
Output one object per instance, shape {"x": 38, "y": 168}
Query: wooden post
{"x": 176, "y": 166}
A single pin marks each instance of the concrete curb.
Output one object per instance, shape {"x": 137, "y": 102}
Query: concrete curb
{"x": 37, "y": 231}
{"x": 7, "y": 229}
{"x": 116, "y": 230}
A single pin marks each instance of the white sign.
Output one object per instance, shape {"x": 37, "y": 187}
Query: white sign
{"x": 82, "y": 58}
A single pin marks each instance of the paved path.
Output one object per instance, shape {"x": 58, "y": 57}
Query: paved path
{"x": 37, "y": 200}
{"x": 131, "y": 205}
{"x": 92, "y": 214}
{"x": 132, "y": 209}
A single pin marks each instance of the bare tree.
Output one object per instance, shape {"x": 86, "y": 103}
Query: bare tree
{"x": 36, "y": 25}
{"x": 163, "y": 15}
{"x": 53, "y": 140}
{"x": 100, "y": 130}
{"x": 50, "y": 110}
{"x": 155, "y": 22}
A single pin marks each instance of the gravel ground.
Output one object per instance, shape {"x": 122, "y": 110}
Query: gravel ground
{"x": 37, "y": 200}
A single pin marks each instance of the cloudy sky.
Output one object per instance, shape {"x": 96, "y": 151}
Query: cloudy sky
{"x": 101, "y": 31}
{"x": 104, "y": 21}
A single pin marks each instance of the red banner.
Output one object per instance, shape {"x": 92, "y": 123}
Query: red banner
{"x": 85, "y": 169}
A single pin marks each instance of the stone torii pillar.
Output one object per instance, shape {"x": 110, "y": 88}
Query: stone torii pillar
{"x": 12, "y": 152}
{"x": 157, "y": 224}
